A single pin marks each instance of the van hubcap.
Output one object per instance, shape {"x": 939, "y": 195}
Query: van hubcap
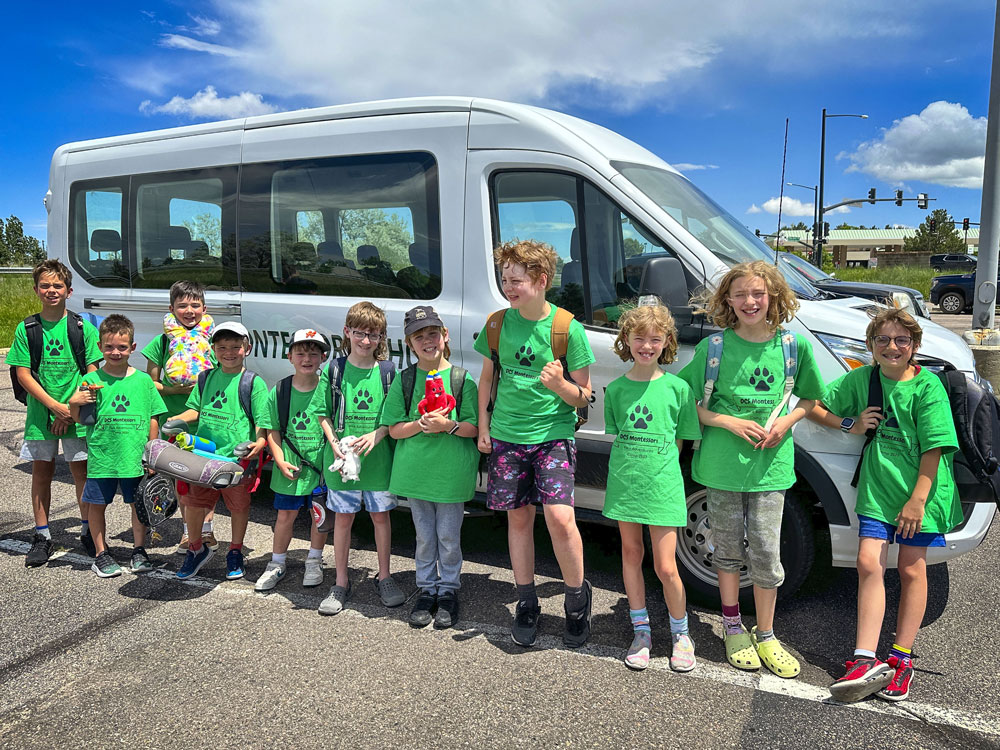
{"x": 696, "y": 548}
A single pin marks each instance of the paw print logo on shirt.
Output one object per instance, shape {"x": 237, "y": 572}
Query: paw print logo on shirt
{"x": 363, "y": 400}
{"x": 525, "y": 356}
{"x": 300, "y": 421}
{"x": 890, "y": 419}
{"x": 218, "y": 400}
{"x": 762, "y": 379}
{"x": 120, "y": 403}
{"x": 53, "y": 347}
{"x": 640, "y": 417}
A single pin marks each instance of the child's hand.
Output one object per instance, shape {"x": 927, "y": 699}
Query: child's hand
{"x": 82, "y": 396}
{"x": 288, "y": 470}
{"x": 363, "y": 445}
{"x": 777, "y": 433}
{"x": 179, "y": 390}
{"x": 258, "y": 446}
{"x": 867, "y": 420}
{"x": 552, "y": 375}
{"x": 335, "y": 445}
{"x": 910, "y": 518}
{"x": 60, "y": 425}
{"x": 745, "y": 428}
{"x": 484, "y": 443}
{"x": 435, "y": 421}
{"x": 61, "y": 411}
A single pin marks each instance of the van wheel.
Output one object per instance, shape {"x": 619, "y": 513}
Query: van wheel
{"x": 952, "y": 302}
{"x": 695, "y": 548}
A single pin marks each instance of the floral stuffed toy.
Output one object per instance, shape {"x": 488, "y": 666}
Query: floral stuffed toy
{"x": 188, "y": 349}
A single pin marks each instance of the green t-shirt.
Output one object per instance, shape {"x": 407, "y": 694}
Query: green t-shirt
{"x": 157, "y": 352}
{"x": 440, "y": 468}
{"x": 57, "y": 372}
{"x": 750, "y": 384}
{"x": 917, "y": 419}
{"x": 125, "y": 407}
{"x": 644, "y": 475}
{"x": 221, "y": 419}
{"x": 362, "y": 404}
{"x": 526, "y": 412}
{"x": 304, "y": 410}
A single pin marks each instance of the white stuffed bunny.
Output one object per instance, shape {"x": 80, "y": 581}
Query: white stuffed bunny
{"x": 350, "y": 465}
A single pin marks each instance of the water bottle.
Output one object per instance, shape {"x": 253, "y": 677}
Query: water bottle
{"x": 88, "y": 411}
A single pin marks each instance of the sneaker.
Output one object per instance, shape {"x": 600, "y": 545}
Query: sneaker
{"x": 314, "y": 572}
{"x": 88, "y": 544}
{"x": 335, "y": 600}
{"x": 194, "y": 562}
{"x": 525, "y": 626}
{"x": 105, "y": 566}
{"x": 899, "y": 688}
{"x": 637, "y": 656}
{"x": 389, "y": 592}
{"x": 864, "y": 677}
{"x": 273, "y": 573}
{"x": 578, "y": 623}
{"x": 420, "y": 615}
{"x": 234, "y": 564}
{"x": 182, "y": 546}
{"x": 682, "y": 657}
{"x": 447, "y": 614}
{"x": 209, "y": 540}
{"x": 40, "y": 552}
{"x": 140, "y": 561}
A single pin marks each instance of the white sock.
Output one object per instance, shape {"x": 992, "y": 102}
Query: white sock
{"x": 185, "y": 528}
{"x": 206, "y": 528}
{"x": 314, "y": 553}
{"x": 279, "y": 558}
{"x": 44, "y": 531}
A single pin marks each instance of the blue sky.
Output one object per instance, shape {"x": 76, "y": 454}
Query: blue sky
{"x": 705, "y": 85}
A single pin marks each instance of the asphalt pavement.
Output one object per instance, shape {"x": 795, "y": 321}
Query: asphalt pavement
{"x": 150, "y": 661}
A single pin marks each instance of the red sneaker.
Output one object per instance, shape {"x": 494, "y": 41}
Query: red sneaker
{"x": 864, "y": 677}
{"x": 899, "y": 688}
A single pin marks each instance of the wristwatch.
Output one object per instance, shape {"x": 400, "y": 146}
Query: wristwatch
{"x": 846, "y": 424}
{"x": 454, "y": 429}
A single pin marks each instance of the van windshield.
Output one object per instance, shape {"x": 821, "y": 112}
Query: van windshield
{"x": 713, "y": 226}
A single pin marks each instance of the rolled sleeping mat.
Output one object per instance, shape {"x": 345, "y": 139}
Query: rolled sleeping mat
{"x": 167, "y": 459}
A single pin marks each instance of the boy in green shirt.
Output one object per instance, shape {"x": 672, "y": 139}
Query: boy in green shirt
{"x": 48, "y": 390}
{"x": 127, "y": 408}
{"x": 906, "y": 494}
{"x": 298, "y": 454}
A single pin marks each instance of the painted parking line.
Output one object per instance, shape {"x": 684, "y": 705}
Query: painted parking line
{"x": 764, "y": 681}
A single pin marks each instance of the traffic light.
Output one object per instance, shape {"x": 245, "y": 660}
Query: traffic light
{"x": 826, "y": 229}
{"x": 757, "y": 232}
{"x": 899, "y": 197}
{"x": 871, "y": 196}
{"x": 965, "y": 224}
{"x": 932, "y": 225}
{"x": 922, "y": 201}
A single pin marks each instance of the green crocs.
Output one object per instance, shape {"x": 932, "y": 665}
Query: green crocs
{"x": 740, "y": 651}
{"x": 773, "y": 655}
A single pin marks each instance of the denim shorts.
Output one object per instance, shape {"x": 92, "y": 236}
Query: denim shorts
{"x": 101, "y": 491}
{"x": 73, "y": 448}
{"x": 352, "y": 501}
{"x": 289, "y": 502}
{"x": 872, "y": 528}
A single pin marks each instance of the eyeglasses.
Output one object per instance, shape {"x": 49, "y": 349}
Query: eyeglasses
{"x": 362, "y": 335}
{"x": 901, "y": 341}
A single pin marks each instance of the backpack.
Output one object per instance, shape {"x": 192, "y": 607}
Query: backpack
{"x": 559, "y": 342}
{"x": 245, "y": 391}
{"x": 386, "y": 371}
{"x": 976, "y": 412}
{"x": 284, "y": 399}
{"x": 789, "y": 353}
{"x": 33, "y": 330}
{"x": 409, "y": 382}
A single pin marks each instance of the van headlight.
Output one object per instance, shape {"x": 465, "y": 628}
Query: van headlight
{"x": 903, "y": 301}
{"x": 851, "y": 353}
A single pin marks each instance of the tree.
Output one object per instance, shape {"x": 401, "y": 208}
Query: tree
{"x": 16, "y": 248}
{"x": 800, "y": 226}
{"x": 374, "y": 226}
{"x": 633, "y": 247}
{"x": 944, "y": 238}
{"x": 208, "y": 229}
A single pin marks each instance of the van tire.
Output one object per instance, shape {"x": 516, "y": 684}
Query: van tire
{"x": 952, "y": 302}
{"x": 694, "y": 550}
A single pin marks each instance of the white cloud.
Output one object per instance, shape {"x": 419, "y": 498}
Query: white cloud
{"x": 789, "y": 206}
{"x": 177, "y": 41}
{"x": 684, "y": 167}
{"x": 754, "y": 209}
{"x": 207, "y": 104}
{"x": 204, "y": 26}
{"x": 943, "y": 145}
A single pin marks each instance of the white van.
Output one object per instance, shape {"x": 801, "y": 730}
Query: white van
{"x": 291, "y": 218}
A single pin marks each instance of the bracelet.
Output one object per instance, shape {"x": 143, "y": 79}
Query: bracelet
{"x": 454, "y": 429}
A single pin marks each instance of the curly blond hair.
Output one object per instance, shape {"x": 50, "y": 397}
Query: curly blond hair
{"x": 646, "y": 319}
{"x": 366, "y": 317}
{"x": 536, "y": 257}
{"x": 894, "y": 315}
{"x": 781, "y": 305}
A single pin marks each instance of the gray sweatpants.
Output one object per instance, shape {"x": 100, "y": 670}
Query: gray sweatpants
{"x": 439, "y": 544}
{"x": 755, "y": 516}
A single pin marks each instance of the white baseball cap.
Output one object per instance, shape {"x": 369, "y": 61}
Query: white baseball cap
{"x": 312, "y": 336}
{"x": 231, "y": 325}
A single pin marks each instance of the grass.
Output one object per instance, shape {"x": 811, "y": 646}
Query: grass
{"x": 17, "y": 302}
{"x": 914, "y": 277}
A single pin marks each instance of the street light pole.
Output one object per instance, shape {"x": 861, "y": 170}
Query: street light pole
{"x": 818, "y": 255}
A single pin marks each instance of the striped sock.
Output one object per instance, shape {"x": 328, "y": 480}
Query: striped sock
{"x": 44, "y": 531}
{"x": 731, "y": 619}
{"x": 905, "y": 655}
{"x": 765, "y": 635}
{"x": 84, "y": 527}
{"x": 640, "y": 620}
{"x": 679, "y": 627}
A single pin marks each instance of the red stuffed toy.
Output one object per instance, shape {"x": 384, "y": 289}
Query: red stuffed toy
{"x": 434, "y": 396}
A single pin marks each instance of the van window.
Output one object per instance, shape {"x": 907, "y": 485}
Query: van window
{"x": 96, "y": 229}
{"x": 360, "y": 226}
{"x": 601, "y": 249}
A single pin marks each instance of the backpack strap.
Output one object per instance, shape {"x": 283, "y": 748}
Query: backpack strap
{"x": 874, "y": 399}
{"x": 33, "y": 331}
{"x": 245, "y": 391}
{"x": 457, "y": 386}
{"x": 387, "y": 372}
{"x": 284, "y": 399}
{"x": 202, "y": 382}
{"x": 790, "y": 354}
{"x": 336, "y": 371}
{"x": 713, "y": 360}
{"x": 77, "y": 345}
{"x": 409, "y": 383}
{"x": 494, "y": 324}
{"x": 559, "y": 343}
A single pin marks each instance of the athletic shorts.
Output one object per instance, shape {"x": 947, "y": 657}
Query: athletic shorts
{"x": 237, "y": 498}
{"x": 872, "y": 528}
{"x": 522, "y": 474}
{"x": 351, "y": 501}
{"x": 102, "y": 490}
{"x": 289, "y": 502}
{"x": 73, "y": 449}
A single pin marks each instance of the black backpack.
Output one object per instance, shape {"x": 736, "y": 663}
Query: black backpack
{"x": 409, "y": 378}
{"x": 976, "y": 412}
{"x": 245, "y": 391}
{"x": 386, "y": 370}
{"x": 33, "y": 330}
{"x": 284, "y": 398}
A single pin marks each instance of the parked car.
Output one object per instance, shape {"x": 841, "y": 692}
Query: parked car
{"x": 953, "y": 261}
{"x": 953, "y": 293}
{"x": 890, "y": 295}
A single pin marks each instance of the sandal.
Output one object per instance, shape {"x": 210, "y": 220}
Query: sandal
{"x": 774, "y": 656}
{"x": 740, "y": 651}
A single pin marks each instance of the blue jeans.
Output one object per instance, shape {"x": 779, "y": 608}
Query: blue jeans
{"x": 439, "y": 544}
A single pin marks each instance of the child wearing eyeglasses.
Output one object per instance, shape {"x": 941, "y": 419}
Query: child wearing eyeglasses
{"x": 906, "y": 493}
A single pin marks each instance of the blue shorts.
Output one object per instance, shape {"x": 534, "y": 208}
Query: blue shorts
{"x": 872, "y": 528}
{"x": 289, "y": 502}
{"x": 351, "y": 501}
{"x": 101, "y": 491}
